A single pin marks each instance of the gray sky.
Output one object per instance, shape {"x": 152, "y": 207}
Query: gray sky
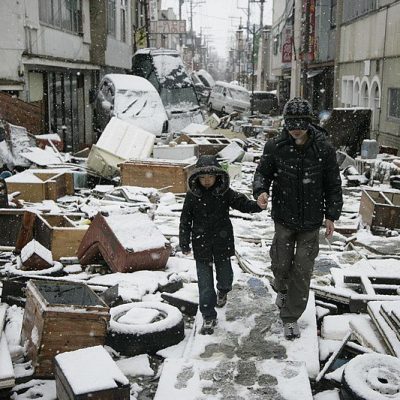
{"x": 214, "y": 16}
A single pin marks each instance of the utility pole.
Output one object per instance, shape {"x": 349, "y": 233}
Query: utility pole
{"x": 306, "y": 47}
{"x": 252, "y": 70}
{"x": 191, "y": 30}
{"x": 180, "y": 18}
{"x": 146, "y": 22}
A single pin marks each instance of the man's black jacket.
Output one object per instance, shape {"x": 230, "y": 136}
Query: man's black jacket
{"x": 306, "y": 184}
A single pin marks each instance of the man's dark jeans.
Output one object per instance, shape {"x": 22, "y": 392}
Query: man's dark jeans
{"x": 292, "y": 261}
{"x": 205, "y": 277}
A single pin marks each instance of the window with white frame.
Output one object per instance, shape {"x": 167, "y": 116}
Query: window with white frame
{"x": 111, "y": 17}
{"x": 123, "y": 20}
{"x": 394, "y": 103}
{"x": 356, "y": 94}
{"x": 347, "y": 91}
{"x": 364, "y": 95}
{"x": 62, "y": 14}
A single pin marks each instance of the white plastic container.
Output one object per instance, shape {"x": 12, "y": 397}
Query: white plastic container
{"x": 369, "y": 148}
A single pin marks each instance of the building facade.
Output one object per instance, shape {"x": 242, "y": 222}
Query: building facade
{"x": 368, "y": 64}
{"x": 54, "y": 53}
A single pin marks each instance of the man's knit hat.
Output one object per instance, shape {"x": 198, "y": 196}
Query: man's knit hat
{"x": 297, "y": 113}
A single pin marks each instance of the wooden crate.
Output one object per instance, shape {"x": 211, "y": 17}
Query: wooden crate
{"x": 70, "y": 386}
{"x": 10, "y": 222}
{"x": 156, "y": 173}
{"x": 208, "y": 145}
{"x": 380, "y": 209}
{"x": 59, "y": 234}
{"x": 41, "y": 185}
{"x": 61, "y": 316}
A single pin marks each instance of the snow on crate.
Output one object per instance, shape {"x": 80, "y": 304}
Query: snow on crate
{"x": 128, "y": 242}
{"x": 136, "y": 232}
{"x": 97, "y": 371}
{"x": 35, "y": 256}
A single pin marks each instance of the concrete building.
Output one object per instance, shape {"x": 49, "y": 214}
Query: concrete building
{"x": 54, "y": 52}
{"x": 368, "y": 64}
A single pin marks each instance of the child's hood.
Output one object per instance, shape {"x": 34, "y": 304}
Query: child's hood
{"x": 208, "y": 165}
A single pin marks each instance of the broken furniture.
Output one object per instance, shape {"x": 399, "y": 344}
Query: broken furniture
{"x": 36, "y": 185}
{"x": 174, "y": 151}
{"x": 158, "y": 174}
{"x": 119, "y": 141}
{"x": 208, "y": 145}
{"x": 380, "y": 208}
{"x": 103, "y": 380}
{"x": 127, "y": 242}
{"x": 61, "y": 316}
{"x": 59, "y": 233}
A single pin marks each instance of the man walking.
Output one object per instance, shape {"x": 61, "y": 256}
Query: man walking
{"x": 306, "y": 189}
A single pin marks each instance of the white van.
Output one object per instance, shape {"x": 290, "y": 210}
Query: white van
{"x": 228, "y": 98}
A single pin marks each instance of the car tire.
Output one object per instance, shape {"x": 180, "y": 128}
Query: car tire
{"x": 371, "y": 377}
{"x": 131, "y": 339}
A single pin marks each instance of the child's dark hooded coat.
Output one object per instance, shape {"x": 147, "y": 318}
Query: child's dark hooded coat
{"x": 205, "y": 214}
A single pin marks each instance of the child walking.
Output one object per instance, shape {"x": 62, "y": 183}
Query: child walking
{"x": 205, "y": 222}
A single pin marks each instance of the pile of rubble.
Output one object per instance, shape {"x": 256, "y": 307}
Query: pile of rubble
{"x": 91, "y": 274}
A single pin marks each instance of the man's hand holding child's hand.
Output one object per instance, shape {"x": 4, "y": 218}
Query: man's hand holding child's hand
{"x": 262, "y": 200}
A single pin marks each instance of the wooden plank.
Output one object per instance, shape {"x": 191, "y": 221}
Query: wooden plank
{"x": 3, "y": 309}
{"x": 7, "y": 376}
{"x": 388, "y": 335}
{"x": 26, "y": 231}
{"x": 333, "y": 357}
